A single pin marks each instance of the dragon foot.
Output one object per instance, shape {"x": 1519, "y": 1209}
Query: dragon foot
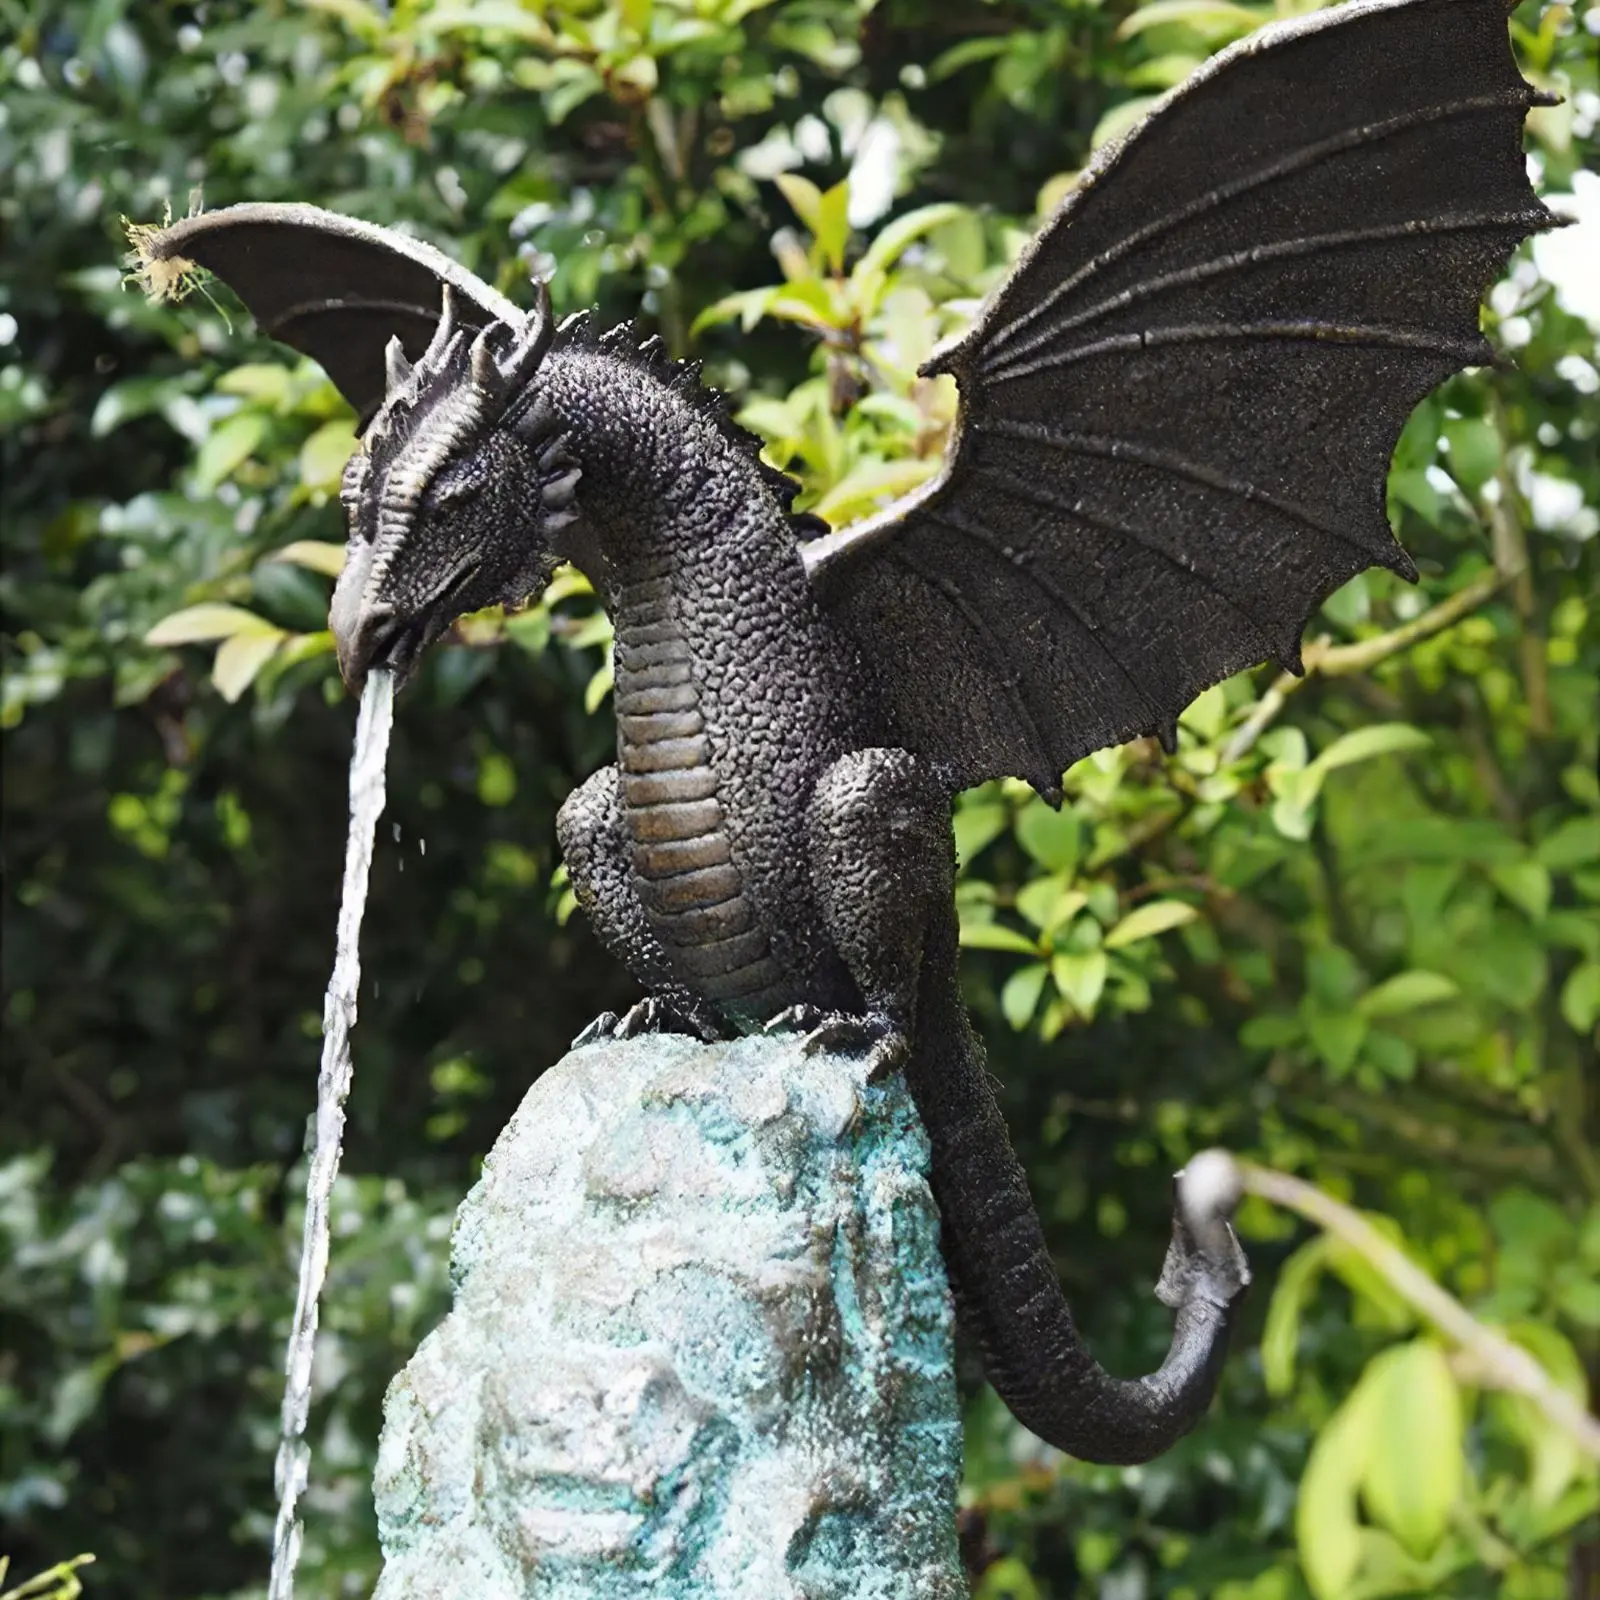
{"x": 882, "y": 1040}
{"x": 650, "y": 1015}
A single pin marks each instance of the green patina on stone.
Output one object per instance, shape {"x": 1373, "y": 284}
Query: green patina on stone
{"x": 701, "y": 1346}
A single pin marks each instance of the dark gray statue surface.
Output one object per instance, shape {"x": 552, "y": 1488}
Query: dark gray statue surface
{"x": 1176, "y": 421}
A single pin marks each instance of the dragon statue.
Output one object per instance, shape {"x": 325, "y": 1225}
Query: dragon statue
{"x": 1176, "y": 420}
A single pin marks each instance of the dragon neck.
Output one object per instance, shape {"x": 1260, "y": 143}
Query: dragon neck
{"x": 670, "y": 487}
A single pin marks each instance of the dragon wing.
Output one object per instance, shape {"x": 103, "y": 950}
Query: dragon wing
{"x": 1178, "y": 411}
{"x": 335, "y": 289}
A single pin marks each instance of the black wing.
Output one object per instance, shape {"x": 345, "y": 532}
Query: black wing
{"x": 336, "y": 289}
{"x": 1178, "y": 412}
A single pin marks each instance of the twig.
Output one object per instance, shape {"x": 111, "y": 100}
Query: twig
{"x": 1499, "y": 1363}
{"x": 1326, "y": 660}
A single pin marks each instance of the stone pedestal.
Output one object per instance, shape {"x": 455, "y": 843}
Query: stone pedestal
{"x": 700, "y": 1349}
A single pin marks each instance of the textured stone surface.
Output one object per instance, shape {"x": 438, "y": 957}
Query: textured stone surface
{"x": 701, "y": 1346}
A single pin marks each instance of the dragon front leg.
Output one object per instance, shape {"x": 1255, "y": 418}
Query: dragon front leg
{"x": 595, "y": 846}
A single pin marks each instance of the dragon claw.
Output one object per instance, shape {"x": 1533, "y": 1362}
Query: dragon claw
{"x": 650, "y": 1015}
{"x": 655, "y": 1015}
{"x": 800, "y": 1018}
{"x": 603, "y": 1027}
{"x": 882, "y": 1041}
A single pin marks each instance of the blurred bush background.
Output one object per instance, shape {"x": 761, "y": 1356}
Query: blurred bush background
{"x": 1349, "y": 928}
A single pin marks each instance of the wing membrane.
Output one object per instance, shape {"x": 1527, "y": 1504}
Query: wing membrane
{"x": 1178, "y": 412}
{"x": 331, "y": 287}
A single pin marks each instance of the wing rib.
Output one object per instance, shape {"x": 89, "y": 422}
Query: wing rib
{"x": 1122, "y": 530}
{"x": 1522, "y": 222}
{"x": 1299, "y": 160}
{"x": 975, "y": 530}
{"x": 316, "y": 308}
{"x": 1461, "y": 352}
{"x": 1089, "y": 444}
{"x": 1008, "y": 677}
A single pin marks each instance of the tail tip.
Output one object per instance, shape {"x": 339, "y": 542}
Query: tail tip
{"x": 1209, "y": 1190}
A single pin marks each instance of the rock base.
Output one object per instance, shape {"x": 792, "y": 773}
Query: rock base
{"x": 701, "y": 1346}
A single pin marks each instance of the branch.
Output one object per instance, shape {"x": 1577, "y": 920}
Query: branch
{"x": 1498, "y": 1363}
{"x": 1326, "y": 660}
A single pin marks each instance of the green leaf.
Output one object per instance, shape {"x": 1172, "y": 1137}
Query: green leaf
{"x": 195, "y": 624}
{"x": 1417, "y": 1467}
{"x": 966, "y": 54}
{"x": 1531, "y": 1227}
{"x": 833, "y": 225}
{"x": 362, "y": 18}
{"x": 748, "y": 305}
{"x": 892, "y": 240}
{"x": 263, "y": 383}
{"x": 1580, "y": 997}
{"x": 1271, "y": 1031}
{"x": 323, "y": 455}
{"x": 976, "y": 827}
{"x": 1146, "y": 921}
{"x": 1162, "y": 72}
{"x": 1526, "y": 884}
{"x": 240, "y": 658}
{"x": 1327, "y": 1529}
{"x": 1474, "y": 454}
{"x": 638, "y": 75}
{"x": 1052, "y": 838}
{"x": 1020, "y": 996}
{"x": 1578, "y": 1299}
{"x": 996, "y": 936}
{"x": 1393, "y": 1056}
{"x": 227, "y": 447}
{"x": 1336, "y": 1036}
{"x": 1006, "y": 1579}
{"x": 1573, "y": 844}
{"x": 870, "y": 486}
{"x": 133, "y": 398}
{"x": 1408, "y": 991}
{"x": 486, "y": 16}
{"x": 1081, "y": 978}
{"x": 1050, "y": 902}
{"x": 579, "y": 82}
{"x": 1382, "y": 739}
{"x": 1280, "y": 1337}
{"x": 497, "y": 779}
{"x": 1377, "y": 1302}
{"x": 805, "y": 199}
{"x": 1121, "y": 120}
{"x": 1216, "y": 19}
{"x": 315, "y": 555}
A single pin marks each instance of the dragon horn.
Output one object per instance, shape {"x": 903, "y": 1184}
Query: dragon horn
{"x": 486, "y": 373}
{"x": 445, "y": 332}
{"x": 397, "y": 370}
{"x": 538, "y": 328}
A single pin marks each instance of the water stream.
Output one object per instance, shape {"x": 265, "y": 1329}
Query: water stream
{"x": 333, "y": 1085}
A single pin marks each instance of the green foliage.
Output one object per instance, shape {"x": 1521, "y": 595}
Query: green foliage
{"x": 59, "y": 1583}
{"x": 1349, "y": 926}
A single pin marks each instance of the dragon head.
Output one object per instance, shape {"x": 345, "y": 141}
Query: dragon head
{"x": 455, "y": 494}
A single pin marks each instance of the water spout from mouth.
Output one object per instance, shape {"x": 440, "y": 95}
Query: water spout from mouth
{"x": 333, "y": 1086}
